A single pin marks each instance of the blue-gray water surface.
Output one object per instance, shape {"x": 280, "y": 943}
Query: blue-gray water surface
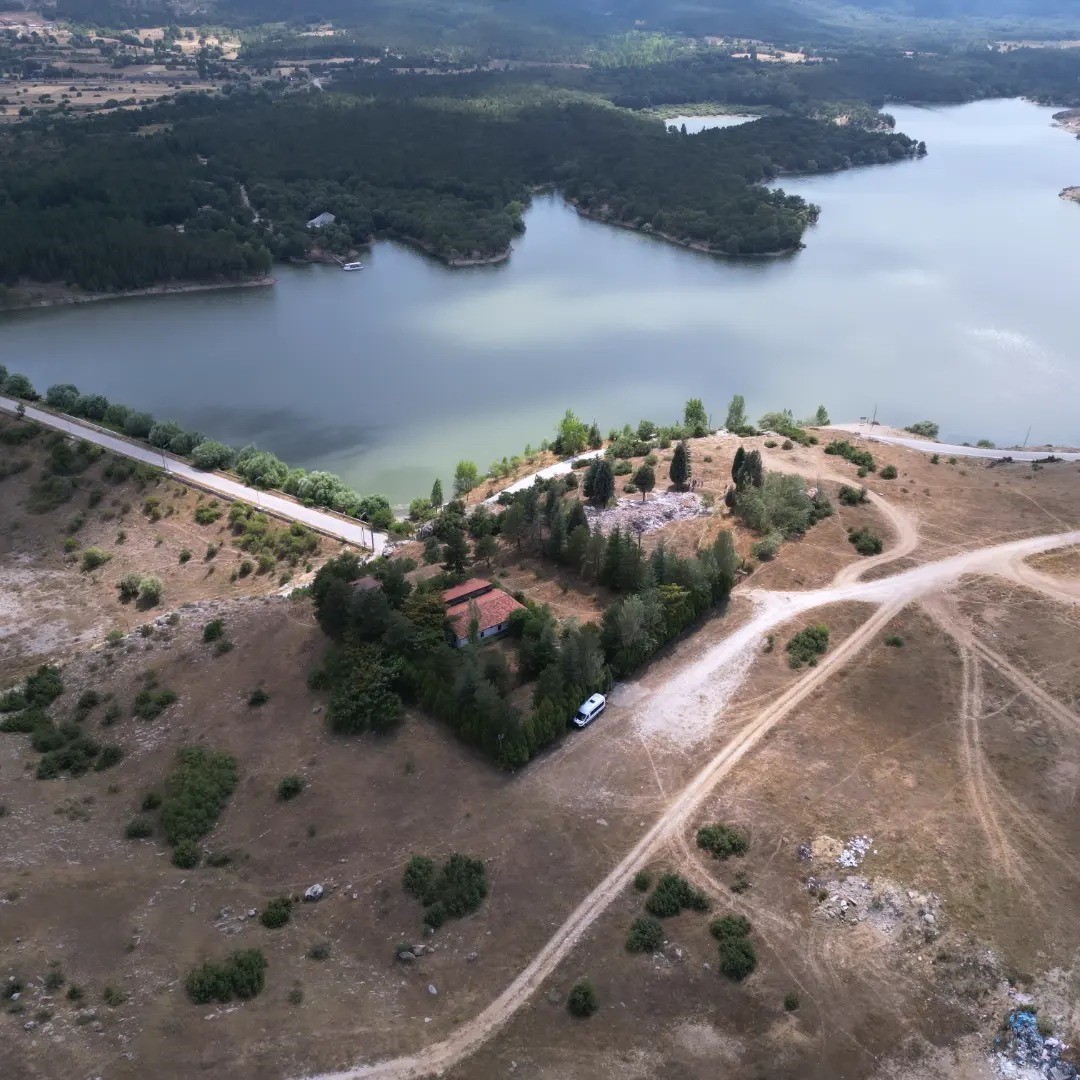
{"x": 937, "y": 289}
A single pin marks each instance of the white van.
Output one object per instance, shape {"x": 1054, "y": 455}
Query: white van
{"x": 590, "y": 710}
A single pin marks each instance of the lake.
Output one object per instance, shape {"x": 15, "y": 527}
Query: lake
{"x": 932, "y": 289}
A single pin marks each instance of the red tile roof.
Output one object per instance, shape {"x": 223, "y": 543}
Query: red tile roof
{"x": 473, "y": 587}
{"x": 493, "y": 608}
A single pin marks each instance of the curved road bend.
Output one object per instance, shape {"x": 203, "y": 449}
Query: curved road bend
{"x": 353, "y": 532}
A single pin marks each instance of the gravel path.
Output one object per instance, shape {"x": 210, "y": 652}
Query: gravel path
{"x": 877, "y": 434}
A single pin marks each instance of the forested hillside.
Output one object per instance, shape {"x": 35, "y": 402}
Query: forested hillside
{"x": 97, "y": 206}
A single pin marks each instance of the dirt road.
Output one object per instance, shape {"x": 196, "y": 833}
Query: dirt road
{"x": 687, "y": 690}
{"x": 349, "y": 530}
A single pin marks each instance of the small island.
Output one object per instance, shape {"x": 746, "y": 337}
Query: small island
{"x": 1072, "y": 194}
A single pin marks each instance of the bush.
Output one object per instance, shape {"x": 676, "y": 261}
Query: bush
{"x": 319, "y": 951}
{"x": 185, "y": 556}
{"x": 456, "y": 890}
{"x": 186, "y": 855}
{"x": 111, "y": 714}
{"x": 646, "y": 935}
{"x": 807, "y": 645}
{"x": 787, "y": 445}
{"x": 243, "y": 975}
{"x": 888, "y": 473}
{"x": 850, "y": 496}
{"x": 43, "y": 687}
{"x": 207, "y": 514}
{"x": 151, "y": 801}
{"x": 213, "y": 630}
{"x": 258, "y": 696}
{"x": 150, "y": 590}
{"x": 842, "y": 448}
{"x": 866, "y": 542}
{"x": 150, "y": 704}
{"x": 54, "y": 979}
{"x": 289, "y": 788}
{"x": 791, "y": 1001}
{"x": 94, "y": 557}
{"x": 767, "y": 547}
{"x": 894, "y": 641}
{"x": 139, "y": 828}
{"x": 88, "y": 700}
{"x": 277, "y": 913}
{"x": 672, "y": 895}
{"x": 109, "y": 756}
{"x": 935, "y": 459}
{"x": 642, "y": 880}
{"x": 927, "y": 429}
{"x": 738, "y": 958}
{"x": 113, "y": 996}
{"x": 196, "y": 791}
{"x": 582, "y": 1001}
{"x": 245, "y": 568}
{"x": 722, "y": 841}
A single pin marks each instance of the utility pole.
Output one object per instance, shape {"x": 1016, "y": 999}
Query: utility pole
{"x": 874, "y": 420}
{"x": 1028, "y": 435}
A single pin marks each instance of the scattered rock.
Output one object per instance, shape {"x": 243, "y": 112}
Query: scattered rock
{"x": 406, "y": 956}
{"x": 855, "y": 851}
{"x": 313, "y": 892}
{"x": 431, "y": 989}
{"x": 471, "y": 958}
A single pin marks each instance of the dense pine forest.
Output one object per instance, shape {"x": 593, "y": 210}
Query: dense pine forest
{"x": 98, "y": 205}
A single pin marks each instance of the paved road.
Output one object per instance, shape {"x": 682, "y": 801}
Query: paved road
{"x": 354, "y": 532}
{"x": 873, "y": 434}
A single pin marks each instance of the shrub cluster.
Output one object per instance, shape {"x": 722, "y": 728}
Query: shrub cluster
{"x": 722, "y": 841}
{"x": 196, "y": 790}
{"x": 646, "y": 935}
{"x": 866, "y": 542}
{"x": 851, "y": 496}
{"x": 458, "y": 889}
{"x": 842, "y": 448}
{"x": 241, "y": 975}
{"x": 277, "y": 913}
{"x": 738, "y": 958}
{"x": 674, "y": 894}
{"x": 807, "y": 645}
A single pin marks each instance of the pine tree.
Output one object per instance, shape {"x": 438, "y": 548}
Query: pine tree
{"x": 513, "y": 523}
{"x": 436, "y": 494}
{"x": 596, "y": 440}
{"x": 821, "y": 417}
{"x": 680, "y": 465}
{"x": 455, "y": 552}
{"x": 576, "y": 544}
{"x": 603, "y": 486}
{"x": 486, "y": 548}
{"x": 588, "y": 485}
{"x": 727, "y": 561}
{"x": 576, "y": 517}
{"x": 613, "y": 556}
{"x": 593, "y": 560}
{"x": 753, "y": 469}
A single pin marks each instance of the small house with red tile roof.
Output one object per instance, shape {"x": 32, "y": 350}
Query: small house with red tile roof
{"x": 478, "y": 600}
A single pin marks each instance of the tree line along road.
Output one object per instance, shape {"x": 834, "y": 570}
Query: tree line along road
{"x": 335, "y": 525}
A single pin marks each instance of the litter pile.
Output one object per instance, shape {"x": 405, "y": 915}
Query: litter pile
{"x": 636, "y": 517}
{"x": 1024, "y": 1053}
{"x": 855, "y": 851}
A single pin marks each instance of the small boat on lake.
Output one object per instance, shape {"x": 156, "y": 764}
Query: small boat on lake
{"x": 352, "y": 266}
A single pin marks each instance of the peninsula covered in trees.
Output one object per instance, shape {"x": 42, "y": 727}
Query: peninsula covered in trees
{"x": 104, "y": 205}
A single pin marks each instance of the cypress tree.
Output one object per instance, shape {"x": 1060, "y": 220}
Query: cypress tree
{"x": 436, "y": 494}
{"x": 680, "y": 465}
{"x": 737, "y": 464}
